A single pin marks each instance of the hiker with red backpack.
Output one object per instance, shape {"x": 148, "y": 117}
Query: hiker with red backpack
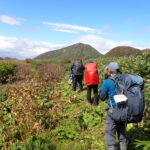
{"x": 125, "y": 105}
{"x": 77, "y": 71}
{"x": 92, "y": 81}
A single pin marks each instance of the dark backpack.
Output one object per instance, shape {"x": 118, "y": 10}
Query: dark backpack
{"x": 131, "y": 111}
{"x": 78, "y": 68}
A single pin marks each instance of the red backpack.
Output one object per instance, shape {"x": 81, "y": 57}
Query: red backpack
{"x": 91, "y": 74}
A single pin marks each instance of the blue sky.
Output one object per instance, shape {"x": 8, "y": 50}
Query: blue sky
{"x": 31, "y": 27}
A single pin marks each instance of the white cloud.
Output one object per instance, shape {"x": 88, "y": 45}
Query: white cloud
{"x": 24, "y": 48}
{"x": 74, "y": 28}
{"x": 6, "y": 43}
{"x": 63, "y": 30}
{"x": 101, "y": 44}
{"x": 141, "y": 47}
{"x": 10, "y": 20}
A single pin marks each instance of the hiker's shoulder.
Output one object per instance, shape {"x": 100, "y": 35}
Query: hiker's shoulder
{"x": 108, "y": 82}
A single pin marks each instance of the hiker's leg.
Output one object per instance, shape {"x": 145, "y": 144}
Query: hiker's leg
{"x": 122, "y": 135}
{"x": 110, "y": 132}
{"x": 95, "y": 90}
{"x": 74, "y": 85}
{"x": 80, "y": 78}
{"x": 111, "y": 147}
{"x": 89, "y": 89}
{"x": 123, "y": 146}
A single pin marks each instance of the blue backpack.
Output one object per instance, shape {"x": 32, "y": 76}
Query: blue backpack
{"x": 131, "y": 111}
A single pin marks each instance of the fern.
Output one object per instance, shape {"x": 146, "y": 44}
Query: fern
{"x": 144, "y": 144}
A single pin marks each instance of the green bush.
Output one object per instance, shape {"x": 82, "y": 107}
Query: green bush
{"x": 34, "y": 143}
{"x": 69, "y": 129}
{"x": 3, "y": 96}
{"x": 6, "y": 70}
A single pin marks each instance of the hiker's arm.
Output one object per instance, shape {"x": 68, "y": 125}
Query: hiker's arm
{"x": 71, "y": 67}
{"x": 83, "y": 68}
{"x": 103, "y": 95}
{"x": 104, "y": 91}
{"x": 142, "y": 86}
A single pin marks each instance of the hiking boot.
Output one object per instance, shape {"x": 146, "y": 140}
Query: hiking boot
{"x": 111, "y": 147}
{"x": 95, "y": 103}
{"x": 123, "y": 146}
{"x": 80, "y": 90}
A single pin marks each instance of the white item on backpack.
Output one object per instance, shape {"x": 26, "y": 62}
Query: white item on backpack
{"x": 120, "y": 98}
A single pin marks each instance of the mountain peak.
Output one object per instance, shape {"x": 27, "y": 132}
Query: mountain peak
{"x": 78, "y": 50}
{"x": 123, "y": 51}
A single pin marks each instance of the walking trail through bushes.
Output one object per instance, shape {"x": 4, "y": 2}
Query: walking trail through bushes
{"x": 81, "y": 126}
{"x": 36, "y": 114}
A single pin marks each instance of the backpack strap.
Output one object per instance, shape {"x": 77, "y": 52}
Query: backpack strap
{"x": 119, "y": 87}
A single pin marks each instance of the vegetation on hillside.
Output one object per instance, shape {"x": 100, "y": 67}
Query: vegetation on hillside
{"x": 79, "y": 50}
{"x": 123, "y": 51}
{"x": 39, "y": 111}
{"x": 146, "y": 50}
{"x": 85, "y": 51}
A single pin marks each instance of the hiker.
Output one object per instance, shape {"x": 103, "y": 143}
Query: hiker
{"x": 108, "y": 90}
{"x": 77, "y": 69}
{"x": 92, "y": 81}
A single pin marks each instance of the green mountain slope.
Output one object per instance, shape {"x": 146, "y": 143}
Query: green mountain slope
{"x": 78, "y": 50}
{"x": 123, "y": 51}
{"x": 146, "y": 50}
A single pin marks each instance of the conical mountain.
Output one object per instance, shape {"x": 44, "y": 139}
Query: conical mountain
{"x": 79, "y": 50}
{"x": 123, "y": 51}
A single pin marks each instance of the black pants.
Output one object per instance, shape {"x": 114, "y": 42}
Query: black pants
{"x": 77, "y": 79}
{"x": 95, "y": 90}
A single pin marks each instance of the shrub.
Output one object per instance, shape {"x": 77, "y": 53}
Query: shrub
{"x": 23, "y": 71}
{"x": 25, "y": 113}
{"x": 28, "y": 60}
{"x": 144, "y": 144}
{"x": 6, "y": 70}
{"x": 38, "y": 62}
{"x": 39, "y": 143}
{"x": 3, "y": 96}
{"x": 34, "y": 143}
{"x": 51, "y": 72}
{"x": 65, "y": 61}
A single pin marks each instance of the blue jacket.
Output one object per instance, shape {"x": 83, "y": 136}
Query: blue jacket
{"x": 108, "y": 90}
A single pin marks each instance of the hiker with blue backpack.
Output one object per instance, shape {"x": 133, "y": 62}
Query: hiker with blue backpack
{"x": 125, "y": 104}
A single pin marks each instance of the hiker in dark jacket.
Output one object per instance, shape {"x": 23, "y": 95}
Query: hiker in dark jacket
{"x": 77, "y": 69}
{"x": 108, "y": 90}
